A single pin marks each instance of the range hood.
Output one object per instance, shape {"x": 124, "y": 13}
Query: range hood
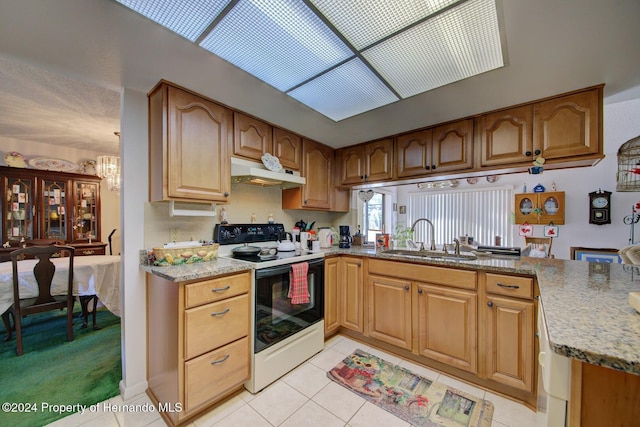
{"x": 254, "y": 173}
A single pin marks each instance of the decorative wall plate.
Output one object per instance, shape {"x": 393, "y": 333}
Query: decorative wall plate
{"x": 59, "y": 165}
{"x": 14, "y": 159}
{"x": 271, "y": 162}
{"x": 88, "y": 167}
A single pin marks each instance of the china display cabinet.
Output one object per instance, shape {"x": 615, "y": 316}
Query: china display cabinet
{"x": 51, "y": 205}
{"x": 540, "y": 208}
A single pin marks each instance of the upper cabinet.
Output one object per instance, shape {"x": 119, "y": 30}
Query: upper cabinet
{"x": 443, "y": 148}
{"x": 540, "y": 208}
{"x": 317, "y": 168}
{"x": 188, "y": 141}
{"x": 49, "y": 205}
{"x": 562, "y": 130}
{"x": 251, "y": 137}
{"x": 569, "y": 126}
{"x": 287, "y": 147}
{"x": 507, "y": 137}
{"x": 371, "y": 162}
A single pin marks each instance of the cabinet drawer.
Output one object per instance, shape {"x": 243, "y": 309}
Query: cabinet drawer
{"x": 514, "y": 286}
{"x": 213, "y": 374}
{"x": 216, "y": 324}
{"x": 216, "y": 289}
{"x": 424, "y": 273}
{"x": 97, "y": 250}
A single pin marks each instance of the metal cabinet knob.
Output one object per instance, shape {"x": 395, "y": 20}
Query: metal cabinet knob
{"x": 226, "y": 194}
{"x": 489, "y": 304}
{"x": 527, "y": 153}
{"x": 406, "y": 287}
{"x": 419, "y": 291}
{"x": 537, "y": 152}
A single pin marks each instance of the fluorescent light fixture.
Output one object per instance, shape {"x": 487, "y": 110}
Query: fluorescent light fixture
{"x": 341, "y": 58}
{"x": 438, "y": 184}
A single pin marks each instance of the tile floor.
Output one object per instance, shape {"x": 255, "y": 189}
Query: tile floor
{"x": 306, "y": 397}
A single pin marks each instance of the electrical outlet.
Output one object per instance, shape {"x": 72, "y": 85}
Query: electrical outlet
{"x": 174, "y": 235}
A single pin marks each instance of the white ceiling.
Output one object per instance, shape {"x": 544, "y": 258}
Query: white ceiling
{"x": 63, "y": 63}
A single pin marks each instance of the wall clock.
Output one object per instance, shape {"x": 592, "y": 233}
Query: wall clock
{"x": 600, "y": 207}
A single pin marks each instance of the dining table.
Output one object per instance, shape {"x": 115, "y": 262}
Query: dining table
{"x": 92, "y": 275}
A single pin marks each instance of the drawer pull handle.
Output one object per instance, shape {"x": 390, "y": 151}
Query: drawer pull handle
{"x": 88, "y": 252}
{"x": 224, "y": 359}
{"x": 502, "y": 285}
{"x": 226, "y": 288}
{"x": 220, "y": 313}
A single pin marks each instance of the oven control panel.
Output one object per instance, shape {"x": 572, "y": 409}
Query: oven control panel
{"x": 229, "y": 234}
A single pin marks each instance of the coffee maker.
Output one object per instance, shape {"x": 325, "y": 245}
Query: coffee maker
{"x": 345, "y": 237}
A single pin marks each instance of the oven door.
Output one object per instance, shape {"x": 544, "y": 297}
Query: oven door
{"x": 275, "y": 316}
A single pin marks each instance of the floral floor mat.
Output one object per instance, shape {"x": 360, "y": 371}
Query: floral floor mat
{"x": 415, "y": 399}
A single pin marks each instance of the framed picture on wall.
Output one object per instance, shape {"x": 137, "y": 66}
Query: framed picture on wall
{"x": 595, "y": 255}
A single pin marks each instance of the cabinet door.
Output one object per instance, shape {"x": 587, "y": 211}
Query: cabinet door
{"x": 54, "y": 210}
{"x": 287, "y": 147}
{"x": 507, "y": 137}
{"x": 18, "y": 211}
{"x": 447, "y": 326}
{"x": 390, "y": 310}
{"x": 86, "y": 210}
{"x": 317, "y": 164}
{"x": 551, "y": 207}
{"x": 353, "y": 165}
{"x": 251, "y": 137}
{"x": 331, "y": 299}
{"x": 199, "y": 132}
{"x": 569, "y": 126}
{"x": 509, "y": 341}
{"x": 411, "y": 153}
{"x": 526, "y": 205}
{"x": 452, "y": 147}
{"x": 379, "y": 160}
{"x": 351, "y": 309}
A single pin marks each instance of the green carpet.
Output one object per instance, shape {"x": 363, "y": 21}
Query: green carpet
{"x": 418, "y": 400}
{"x": 53, "y": 371}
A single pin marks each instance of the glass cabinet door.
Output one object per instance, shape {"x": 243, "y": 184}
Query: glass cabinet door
{"x": 54, "y": 214}
{"x": 86, "y": 211}
{"x": 525, "y": 209}
{"x": 18, "y": 212}
{"x": 552, "y": 205}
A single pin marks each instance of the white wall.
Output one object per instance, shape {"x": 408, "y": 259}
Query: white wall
{"x": 109, "y": 200}
{"x": 621, "y": 123}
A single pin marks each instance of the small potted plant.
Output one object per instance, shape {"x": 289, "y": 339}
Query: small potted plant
{"x": 402, "y": 234}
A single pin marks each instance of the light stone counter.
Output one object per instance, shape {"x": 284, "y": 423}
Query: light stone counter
{"x": 587, "y": 308}
{"x": 199, "y": 270}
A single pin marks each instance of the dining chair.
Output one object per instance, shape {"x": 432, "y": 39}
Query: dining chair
{"x": 43, "y": 271}
{"x": 540, "y": 244}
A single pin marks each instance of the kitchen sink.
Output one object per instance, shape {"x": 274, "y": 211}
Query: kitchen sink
{"x": 431, "y": 254}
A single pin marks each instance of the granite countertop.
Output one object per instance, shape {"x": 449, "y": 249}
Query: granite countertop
{"x": 586, "y": 305}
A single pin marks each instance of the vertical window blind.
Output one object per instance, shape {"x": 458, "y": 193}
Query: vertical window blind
{"x": 479, "y": 213}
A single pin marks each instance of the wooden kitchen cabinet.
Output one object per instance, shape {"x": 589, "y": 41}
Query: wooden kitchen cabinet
{"x": 444, "y": 148}
{"x": 251, "y": 137}
{"x": 509, "y": 316}
{"x": 370, "y": 162}
{"x": 390, "y": 310}
{"x": 352, "y": 294}
{"x": 287, "y": 147}
{"x": 198, "y": 341}
{"x": 447, "y": 327}
{"x": 189, "y": 138}
{"x": 51, "y": 205}
{"x": 540, "y": 208}
{"x": 331, "y": 295}
{"x": 506, "y": 137}
{"x": 317, "y": 168}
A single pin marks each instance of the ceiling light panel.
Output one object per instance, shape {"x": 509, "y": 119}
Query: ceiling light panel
{"x": 188, "y": 18}
{"x": 364, "y": 22}
{"x": 283, "y": 43}
{"x": 457, "y": 44}
{"x": 350, "y": 89}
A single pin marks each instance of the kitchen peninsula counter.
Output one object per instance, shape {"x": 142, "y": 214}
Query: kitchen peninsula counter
{"x": 586, "y": 305}
{"x": 199, "y": 270}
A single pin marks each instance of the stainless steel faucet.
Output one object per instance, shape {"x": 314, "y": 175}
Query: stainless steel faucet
{"x": 457, "y": 249}
{"x": 431, "y": 228}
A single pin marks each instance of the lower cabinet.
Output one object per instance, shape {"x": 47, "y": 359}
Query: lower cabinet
{"x": 331, "y": 305}
{"x": 197, "y": 340}
{"x": 447, "y": 326}
{"x": 390, "y": 310}
{"x": 509, "y": 314}
{"x": 351, "y": 290}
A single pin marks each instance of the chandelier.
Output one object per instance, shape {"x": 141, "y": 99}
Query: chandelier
{"x": 108, "y": 167}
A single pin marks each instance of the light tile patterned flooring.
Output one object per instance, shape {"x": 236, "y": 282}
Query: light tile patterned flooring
{"x": 306, "y": 397}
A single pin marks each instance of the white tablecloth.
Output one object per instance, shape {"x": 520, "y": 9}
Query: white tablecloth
{"x": 92, "y": 275}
